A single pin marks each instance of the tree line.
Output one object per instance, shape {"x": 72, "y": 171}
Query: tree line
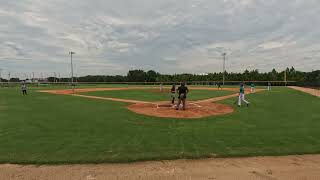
{"x": 301, "y": 78}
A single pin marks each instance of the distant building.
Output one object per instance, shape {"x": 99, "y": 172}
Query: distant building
{"x": 203, "y": 74}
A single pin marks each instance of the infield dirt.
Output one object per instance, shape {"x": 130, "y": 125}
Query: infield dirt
{"x": 195, "y": 109}
{"x": 315, "y": 92}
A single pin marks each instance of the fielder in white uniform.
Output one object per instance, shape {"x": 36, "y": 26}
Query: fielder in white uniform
{"x": 269, "y": 86}
{"x": 241, "y": 96}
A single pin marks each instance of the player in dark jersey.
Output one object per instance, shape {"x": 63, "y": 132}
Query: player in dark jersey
{"x": 219, "y": 85}
{"x": 173, "y": 93}
{"x": 182, "y": 91}
{"x": 252, "y": 86}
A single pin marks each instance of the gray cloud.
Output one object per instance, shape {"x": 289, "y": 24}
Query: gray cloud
{"x": 170, "y": 36}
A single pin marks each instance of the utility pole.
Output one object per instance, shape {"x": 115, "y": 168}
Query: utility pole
{"x": 285, "y": 77}
{"x": 71, "y": 53}
{"x": 9, "y": 78}
{"x": 76, "y": 78}
{"x": 54, "y": 77}
{"x": 224, "y": 67}
{"x": 0, "y": 77}
{"x": 33, "y": 77}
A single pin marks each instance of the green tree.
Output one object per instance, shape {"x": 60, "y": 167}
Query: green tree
{"x": 152, "y": 76}
{"x": 137, "y": 76}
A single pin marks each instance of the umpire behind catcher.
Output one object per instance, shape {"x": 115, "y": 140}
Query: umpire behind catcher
{"x": 182, "y": 91}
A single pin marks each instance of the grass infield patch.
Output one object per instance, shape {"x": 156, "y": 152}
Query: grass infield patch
{"x": 156, "y": 95}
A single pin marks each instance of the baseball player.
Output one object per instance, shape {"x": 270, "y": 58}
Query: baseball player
{"x": 219, "y": 85}
{"x": 269, "y": 86}
{"x": 173, "y": 93}
{"x": 24, "y": 88}
{"x": 161, "y": 87}
{"x": 241, "y": 96}
{"x": 252, "y": 87}
{"x": 182, "y": 91}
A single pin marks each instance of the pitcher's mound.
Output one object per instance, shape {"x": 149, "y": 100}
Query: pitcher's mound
{"x": 193, "y": 110}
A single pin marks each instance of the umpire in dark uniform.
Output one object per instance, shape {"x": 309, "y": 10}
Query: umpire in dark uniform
{"x": 182, "y": 91}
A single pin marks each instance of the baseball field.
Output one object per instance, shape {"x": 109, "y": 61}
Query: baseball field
{"x": 101, "y": 124}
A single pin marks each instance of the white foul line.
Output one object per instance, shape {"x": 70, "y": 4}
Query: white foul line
{"x": 197, "y": 105}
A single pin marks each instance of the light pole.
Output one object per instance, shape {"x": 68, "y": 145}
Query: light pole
{"x": 71, "y": 53}
{"x": 0, "y": 77}
{"x": 224, "y": 66}
{"x": 285, "y": 77}
{"x": 32, "y": 77}
{"x": 54, "y": 77}
{"x": 9, "y": 78}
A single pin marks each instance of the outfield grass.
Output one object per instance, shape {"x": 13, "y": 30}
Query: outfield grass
{"x": 156, "y": 95}
{"x": 45, "y": 128}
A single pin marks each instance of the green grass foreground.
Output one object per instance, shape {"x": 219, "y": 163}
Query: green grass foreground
{"x": 50, "y": 129}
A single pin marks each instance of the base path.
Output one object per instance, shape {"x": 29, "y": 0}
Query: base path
{"x": 306, "y": 167}
{"x": 315, "y": 92}
{"x": 112, "y": 99}
{"x": 216, "y": 99}
{"x": 82, "y": 90}
{"x": 195, "y": 109}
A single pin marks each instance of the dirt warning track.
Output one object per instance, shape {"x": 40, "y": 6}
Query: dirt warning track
{"x": 195, "y": 109}
{"x": 306, "y": 167}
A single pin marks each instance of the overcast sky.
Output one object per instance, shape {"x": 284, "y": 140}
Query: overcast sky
{"x": 169, "y": 36}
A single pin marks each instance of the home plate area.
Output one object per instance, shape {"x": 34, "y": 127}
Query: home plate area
{"x": 193, "y": 110}
{"x": 190, "y": 105}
